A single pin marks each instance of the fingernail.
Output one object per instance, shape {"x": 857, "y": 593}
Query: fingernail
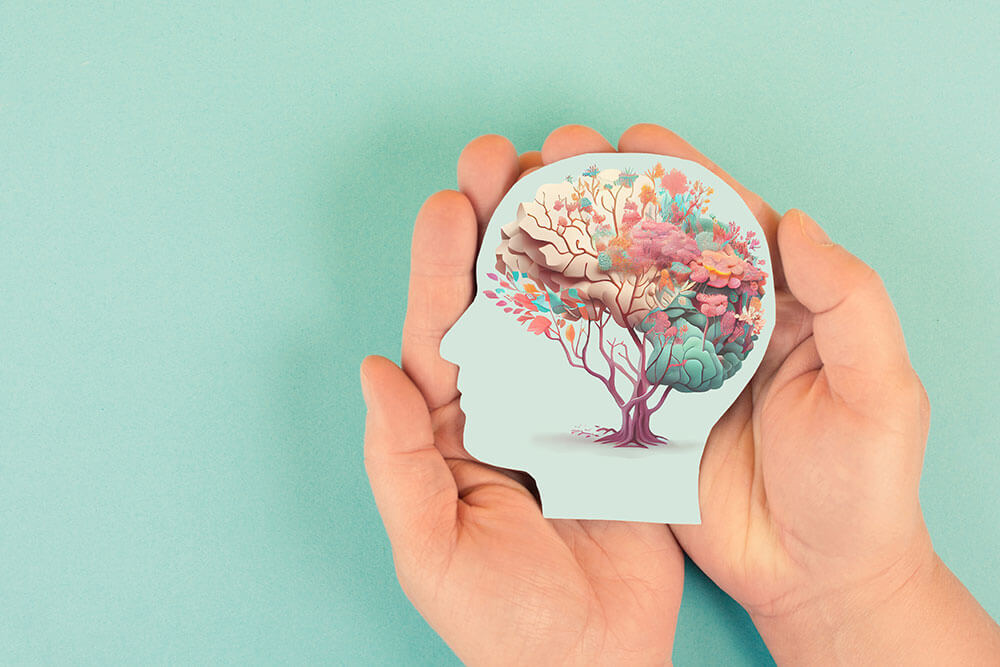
{"x": 813, "y": 231}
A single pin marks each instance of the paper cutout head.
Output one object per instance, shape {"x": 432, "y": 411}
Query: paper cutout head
{"x": 647, "y": 278}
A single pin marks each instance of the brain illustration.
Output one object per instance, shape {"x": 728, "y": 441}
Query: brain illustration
{"x": 642, "y": 286}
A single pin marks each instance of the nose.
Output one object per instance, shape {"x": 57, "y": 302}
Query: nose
{"x": 456, "y": 339}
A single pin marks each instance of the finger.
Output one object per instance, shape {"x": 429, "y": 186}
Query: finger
{"x": 529, "y": 161}
{"x": 441, "y": 262}
{"x": 482, "y": 485}
{"x": 857, "y": 333}
{"x": 487, "y": 167}
{"x": 570, "y": 140}
{"x": 412, "y": 484}
{"x": 650, "y": 138}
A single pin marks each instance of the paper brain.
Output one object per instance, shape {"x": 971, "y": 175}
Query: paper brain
{"x": 638, "y": 282}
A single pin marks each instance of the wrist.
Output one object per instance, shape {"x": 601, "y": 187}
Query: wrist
{"x": 831, "y": 626}
{"x": 915, "y": 612}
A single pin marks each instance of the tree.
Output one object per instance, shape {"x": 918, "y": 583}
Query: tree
{"x": 640, "y": 285}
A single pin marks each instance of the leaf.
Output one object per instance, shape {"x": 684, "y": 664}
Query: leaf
{"x": 492, "y": 276}
{"x": 490, "y": 293}
{"x": 507, "y": 310}
{"x": 521, "y": 300}
{"x": 539, "y": 325}
{"x": 570, "y": 333}
{"x": 501, "y": 303}
{"x": 523, "y": 319}
{"x": 504, "y": 283}
{"x": 560, "y": 322}
{"x": 531, "y": 289}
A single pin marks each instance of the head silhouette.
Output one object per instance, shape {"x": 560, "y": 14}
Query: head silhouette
{"x": 623, "y": 303}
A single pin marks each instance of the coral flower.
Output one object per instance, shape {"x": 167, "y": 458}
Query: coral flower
{"x": 675, "y": 182}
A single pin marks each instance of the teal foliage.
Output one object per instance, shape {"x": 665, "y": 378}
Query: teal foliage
{"x": 682, "y": 305}
{"x": 732, "y": 356}
{"x": 701, "y": 356}
{"x": 706, "y": 241}
{"x": 700, "y": 225}
{"x": 690, "y": 365}
{"x": 558, "y": 307}
{"x": 682, "y": 269}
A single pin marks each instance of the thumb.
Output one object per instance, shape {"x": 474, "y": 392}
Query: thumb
{"x": 855, "y": 328}
{"x": 412, "y": 484}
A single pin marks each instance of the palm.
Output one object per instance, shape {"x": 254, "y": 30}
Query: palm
{"x": 787, "y": 498}
{"x": 561, "y": 588}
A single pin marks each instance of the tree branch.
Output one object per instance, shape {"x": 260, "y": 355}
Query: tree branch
{"x": 659, "y": 403}
{"x": 607, "y": 381}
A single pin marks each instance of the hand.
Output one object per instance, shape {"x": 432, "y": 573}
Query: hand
{"x": 500, "y": 584}
{"x": 809, "y": 483}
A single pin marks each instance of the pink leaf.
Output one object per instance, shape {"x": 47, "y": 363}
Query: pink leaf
{"x": 507, "y": 310}
{"x": 492, "y": 276}
{"x": 490, "y": 293}
{"x": 539, "y": 325}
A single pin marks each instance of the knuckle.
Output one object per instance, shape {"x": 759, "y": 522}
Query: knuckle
{"x": 869, "y": 278}
{"x": 913, "y": 396}
{"x": 923, "y": 400}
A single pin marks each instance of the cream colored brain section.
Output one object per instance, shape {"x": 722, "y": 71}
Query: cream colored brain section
{"x": 554, "y": 246}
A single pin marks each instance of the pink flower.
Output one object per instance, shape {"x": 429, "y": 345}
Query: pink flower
{"x": 558, "y": 205}
{"x": 662, "y": 325}
{"x": 572, "y": 206}
{"x": 675, "y": 182}
{"x": 699, "y": 274}
{"x": 728, "y": 322}
{"x": 722, "y": 267}
{"x": 712, "y": 305}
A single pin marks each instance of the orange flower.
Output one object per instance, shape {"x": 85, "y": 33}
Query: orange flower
{"x": 619, "y": 242}
{"x": 646, "y": 195}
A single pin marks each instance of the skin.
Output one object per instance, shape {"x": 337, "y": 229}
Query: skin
{"x": 809, "y": 483}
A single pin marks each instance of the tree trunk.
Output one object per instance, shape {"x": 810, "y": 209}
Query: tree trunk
{"x": 635, "y": 430}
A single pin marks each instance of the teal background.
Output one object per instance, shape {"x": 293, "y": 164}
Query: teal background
{"x": 205, "y": 211}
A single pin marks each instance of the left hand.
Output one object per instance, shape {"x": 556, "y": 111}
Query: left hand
{"x": 499, "y": 582}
